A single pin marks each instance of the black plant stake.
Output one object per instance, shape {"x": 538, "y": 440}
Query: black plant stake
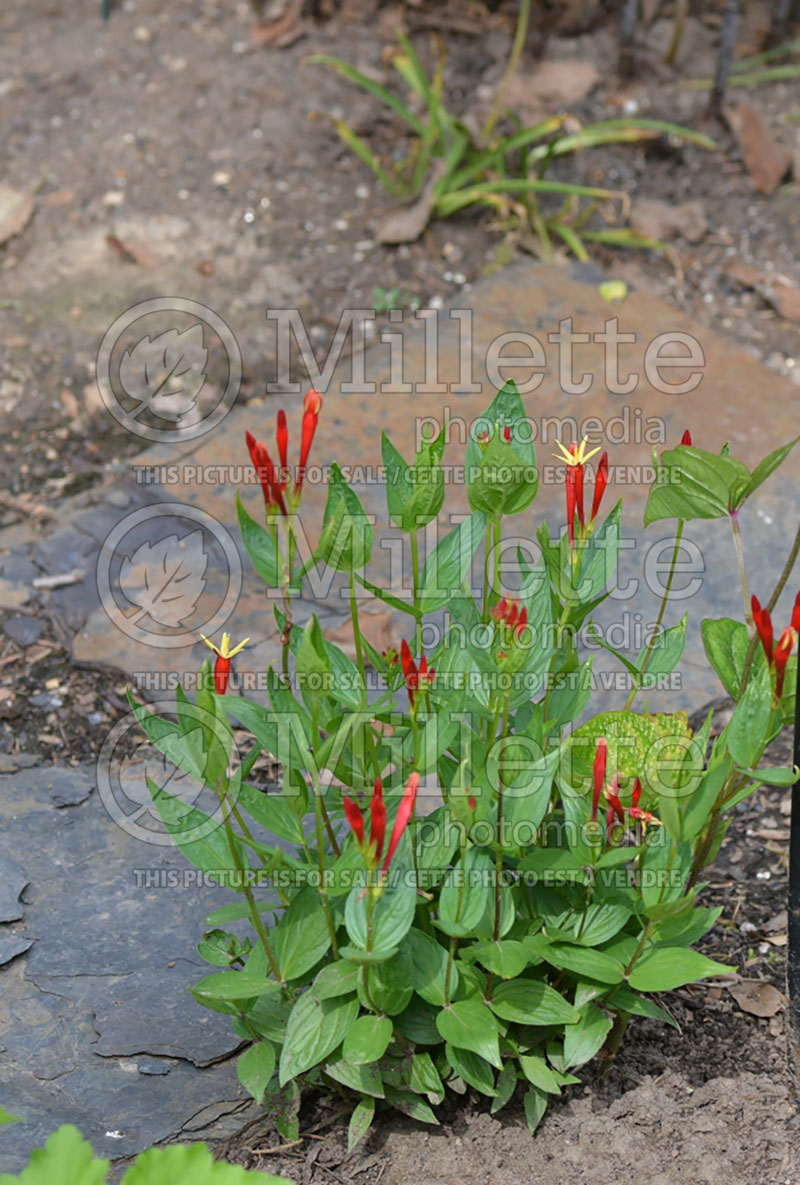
{"x": 793, "y": 964}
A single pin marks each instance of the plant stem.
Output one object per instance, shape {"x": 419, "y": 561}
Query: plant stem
{"x": 362, "y": 672}
{"x": 450, "y": 957}
{"x": 318, "y": 811}
{"x": 415, "y": 577}
{"x": 661, "y": 612}
{"x": 511, "y": 68}
{"x": 255, "y": 916}
{"x": 737, "y": 538}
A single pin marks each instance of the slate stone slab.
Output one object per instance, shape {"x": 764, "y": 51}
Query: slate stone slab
{"x": 24, "y": 630}
{"x": 12, "y": 881}
{"x": 89, "y": 1011}
{"x": 11, "y": 945}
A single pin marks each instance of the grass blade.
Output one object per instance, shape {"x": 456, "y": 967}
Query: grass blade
{"x": 624, "y": 237}
{"x": 572, "y": 239}
{"x": 380, "y": 92}
{"x": 365, "y": 154}
{"x": 450, "y": 202}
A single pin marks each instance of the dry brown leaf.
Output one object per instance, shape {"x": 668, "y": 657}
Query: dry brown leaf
{"x": 406, "y": 223}
{"x": 660, "y": 220}
{"x": 776, "y": 924}
{"x": 16, "y": 208}
{"x": 130, "y": 253}
{"x": 757, "y": 998}
{"x": 281, "y": 32}
{"x": 767, "y": 161}
{"x": 782, "y": 292}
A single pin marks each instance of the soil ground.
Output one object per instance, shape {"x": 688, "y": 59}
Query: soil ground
{"x": 171, "y": 132}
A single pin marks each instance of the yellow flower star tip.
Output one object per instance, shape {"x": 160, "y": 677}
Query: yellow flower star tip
{"x": 580, "y": 457}
{"x": 237, "y": 649}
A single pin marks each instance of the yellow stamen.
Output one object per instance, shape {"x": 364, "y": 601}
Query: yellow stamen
{"x": 224, "y": 651}
{"x": 578, "y": 458}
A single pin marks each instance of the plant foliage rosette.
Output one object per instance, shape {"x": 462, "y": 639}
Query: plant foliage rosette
{"x": 457, "y": 886}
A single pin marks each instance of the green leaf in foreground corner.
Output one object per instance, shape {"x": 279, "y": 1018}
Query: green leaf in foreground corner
{"x": 187, "y": 1164}
{"x": 66, "y": 1159}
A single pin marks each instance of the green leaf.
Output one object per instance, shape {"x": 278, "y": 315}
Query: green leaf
{"x": 666, "y": 653}
{"x": 188, "y": 1164}
{"x": 505, "y": 957}
{"x": 749, "y": 726}
{"x": 255, "y": 1068}
{"x": 447, "y": 566}
{"x": 301, "y": 937}
{"x": 661, "y": 969}
{"x": 365, "y": 1079}
{"x": 233, "y": 985}
{"x": 462, "y": 901}
{"x": 411, "y": 1105}
{"x": 66, "y": 1159}
{"x": 504, "y": 1087}
{"x": 367, "y": 1040}
{"x": 345, "y": 542}
{"x": 336, "y": 979}
{"x": 774, "y": 775}
{"x": 692, "y": 483}
{"x": 468, "y": 1025}
{"x": 535, "y": 1104}
{"x": 201, "y": 838}
{"x": 584, "y": 1039}
{"x": 767, "y": 467}
{"x": 583, "y": 961}
{"x": 392, "y": 915}
{"x": 474, "y": 1069}
{"x": 529, "y": 1001}
{"x": 629, "y": 1001}
{"x": 429, "y": 961}
{"x": 360, "y": 1121}
{"x": 726, "y": 642}
{"x": 315, "y": 1029}
{"x": 260, "y": 546}
{"x": 502, "y": 477}
{"x": 539, "y": 1074}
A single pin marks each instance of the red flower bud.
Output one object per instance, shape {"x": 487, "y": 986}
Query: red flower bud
{"x": 282, "y": 437}
{"x": 687, "y": 438}
{"x": 377, "y": 814}
{"x": 355, "y": 818}
{"x": 262, "y": 461}
{"x": 600, "y": 483}
{"x": 763, "y": 624}
{"x": 404, "y": 812}
{"x": 507, "y": 435}
{"x": 599, "y": 774}
{"x": 781, "y": 655}
{"x": 312, "y": 405}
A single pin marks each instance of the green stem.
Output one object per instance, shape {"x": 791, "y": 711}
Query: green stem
{"x": 661, "y": 612}
{"x": 737, "y": 538}
{"x": 415, "y": 593}
{"x": 365, "y": 966}
{"x": 255, "y": 916}
{"x": 362, "y": 673}
{"x": 498, "y": 864}
{"x": 513, "y": 61}
{"x": 486, "y": 561}
{"x": 318, "y": 813}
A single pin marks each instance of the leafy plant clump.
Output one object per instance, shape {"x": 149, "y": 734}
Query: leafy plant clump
{"x": 67, "y": 1159}
{"x": 450, "y": 166}
{"x": 457, "y": 887}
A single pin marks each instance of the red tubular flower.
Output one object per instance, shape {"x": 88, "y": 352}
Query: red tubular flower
{"x": 417, "y": 678}
{"x": 575, "y": 457}
{"x": 472, "y": 802}
{"x": 312, "y": 405}
{"x": 282, "y": 437}
{"x": 377, "y": 817}
{"x": 687, "y": 438}
{"x": 796, "y": 615}
{"x": 523, "y": 621}
{"x": 763, "y": 624}
{"x": 599, "y": 774}
{"x": 404, "y": 812}
{"x": 355, "y": 818}
{"x": 262, "y": 461}
{"x": 781, "y": 656}
{"x": 222, "y": 667}
{"x": 600, "y": 483}
{"x": 507, "y": 435}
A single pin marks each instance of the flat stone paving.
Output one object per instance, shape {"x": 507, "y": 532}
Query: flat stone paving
{"x": 96, "y": 1026}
